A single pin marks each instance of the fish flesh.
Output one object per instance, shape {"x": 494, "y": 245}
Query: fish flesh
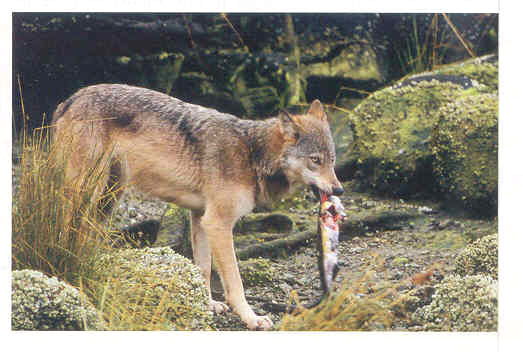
{"x": 331, "y": 212}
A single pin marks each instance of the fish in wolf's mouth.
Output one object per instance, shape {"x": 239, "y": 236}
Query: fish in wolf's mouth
{"x": 331, "y": 212}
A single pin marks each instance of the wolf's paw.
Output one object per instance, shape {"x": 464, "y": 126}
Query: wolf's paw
{"x": 259, "y": 323}
{"x": 218, "y": 307}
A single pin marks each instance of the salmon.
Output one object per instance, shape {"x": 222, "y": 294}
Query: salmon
{"x": 331, "y": 212}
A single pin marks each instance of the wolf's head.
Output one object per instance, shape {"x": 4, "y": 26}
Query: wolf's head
{"x": 310, "y": 154}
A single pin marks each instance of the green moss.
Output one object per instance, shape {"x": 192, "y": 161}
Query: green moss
{"x": 242, "y": 240}
{"x": 258, "y": 101}
{"x": 175, "y": 226}
{"x": 256, "y": 271}
{"x": 442, "y": 239}
{"x": 392, "y": 129}
{"x": 356, "y": 62}
{"x": 400, "y": 261}
{"x": 298, "y": 201}
{"x": 465, "y": 149}
{"x": 390, "y": 151}
{"x": 157, "y": 71}
{"x": 478, "y": 69}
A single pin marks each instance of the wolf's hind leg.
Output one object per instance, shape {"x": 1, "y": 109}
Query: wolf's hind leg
{"x": 202, "y": 257}
{"x": 112, "y": 188}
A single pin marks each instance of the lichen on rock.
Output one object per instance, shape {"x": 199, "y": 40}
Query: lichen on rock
{"x": 157, "y": 283}
{"x": 468, "y": 303}
{"x": 479, "y": 257}
{"x": 40, "y": 302}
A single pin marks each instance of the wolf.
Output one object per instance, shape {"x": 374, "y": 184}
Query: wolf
{"x": 214, "y": 164}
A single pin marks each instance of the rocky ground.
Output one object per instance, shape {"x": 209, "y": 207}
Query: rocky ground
{"x": 389, "y": 242}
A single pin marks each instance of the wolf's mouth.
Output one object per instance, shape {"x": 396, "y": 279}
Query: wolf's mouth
{"x": 320, "y": 195}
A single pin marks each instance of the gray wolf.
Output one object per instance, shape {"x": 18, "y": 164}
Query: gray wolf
{"x": 215, "y": 164}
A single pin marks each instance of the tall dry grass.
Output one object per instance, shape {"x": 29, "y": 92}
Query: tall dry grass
{"x": 362, "y": 305}
{"x": 56, "y": 227}
{"x": 418, "y": 54}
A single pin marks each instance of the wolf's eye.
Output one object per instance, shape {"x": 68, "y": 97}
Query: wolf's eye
{"x": 315, "y": 159}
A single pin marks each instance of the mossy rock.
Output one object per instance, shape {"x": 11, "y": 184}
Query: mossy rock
{"x": 342, "y": 131}
{"x": 446, "y": 239}
{"x": 157, "y": 71}
{"x": 156, "y": 285}
{"x": 483, "y": 70}
{"x": 465, "y": 148}
{"x": 39, "y": 302}
{"x": 201, "y": 89}
{"x": 390, "y": 152}
{"x": 265, "y": 222}
{"x": 479, "y": 257}
{"x": 175, "y": 227}
{"x": 256, "y": 271}
{"x": 467, "y": 303}
{"x": 262, "y": 101}
{"x": 357, "y": 62}
{"x": 304, "y": 199}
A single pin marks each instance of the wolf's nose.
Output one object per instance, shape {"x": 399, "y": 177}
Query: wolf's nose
{"x": 337, "y": 191}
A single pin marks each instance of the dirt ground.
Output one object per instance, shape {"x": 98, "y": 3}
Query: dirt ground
{"x": 386, "y": 241}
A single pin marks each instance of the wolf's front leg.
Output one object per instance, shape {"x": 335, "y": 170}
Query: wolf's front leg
{"x": 202, "y": 257}
{"x": 218, "y": 228}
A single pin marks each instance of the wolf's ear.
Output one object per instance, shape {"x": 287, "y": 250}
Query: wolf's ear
{"x": 289, "y": 124}
{"x": 316, "y": 110}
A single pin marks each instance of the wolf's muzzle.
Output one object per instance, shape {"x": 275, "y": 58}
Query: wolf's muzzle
{"x": 337, "y": 191}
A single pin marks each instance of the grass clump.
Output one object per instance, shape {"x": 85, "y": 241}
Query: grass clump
{"x": 362, "y": 306}
{"x": 58, "y": 230}
{"x": 55, "y": 227}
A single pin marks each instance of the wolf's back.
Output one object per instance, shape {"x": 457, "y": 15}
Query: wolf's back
{"x": 116, "y": 100}
{"x": 133, "y": 108}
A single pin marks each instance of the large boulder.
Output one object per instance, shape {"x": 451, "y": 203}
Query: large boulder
{"x": 157, "y": 285}
{"x": 406, "y": 139}
{"x": 390, "y": 150}
{"x": 483, "y": 70}
{"x": 464, "y": 144}
{"x": 467, "y": 303}
{"x": 40, "y": 302}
